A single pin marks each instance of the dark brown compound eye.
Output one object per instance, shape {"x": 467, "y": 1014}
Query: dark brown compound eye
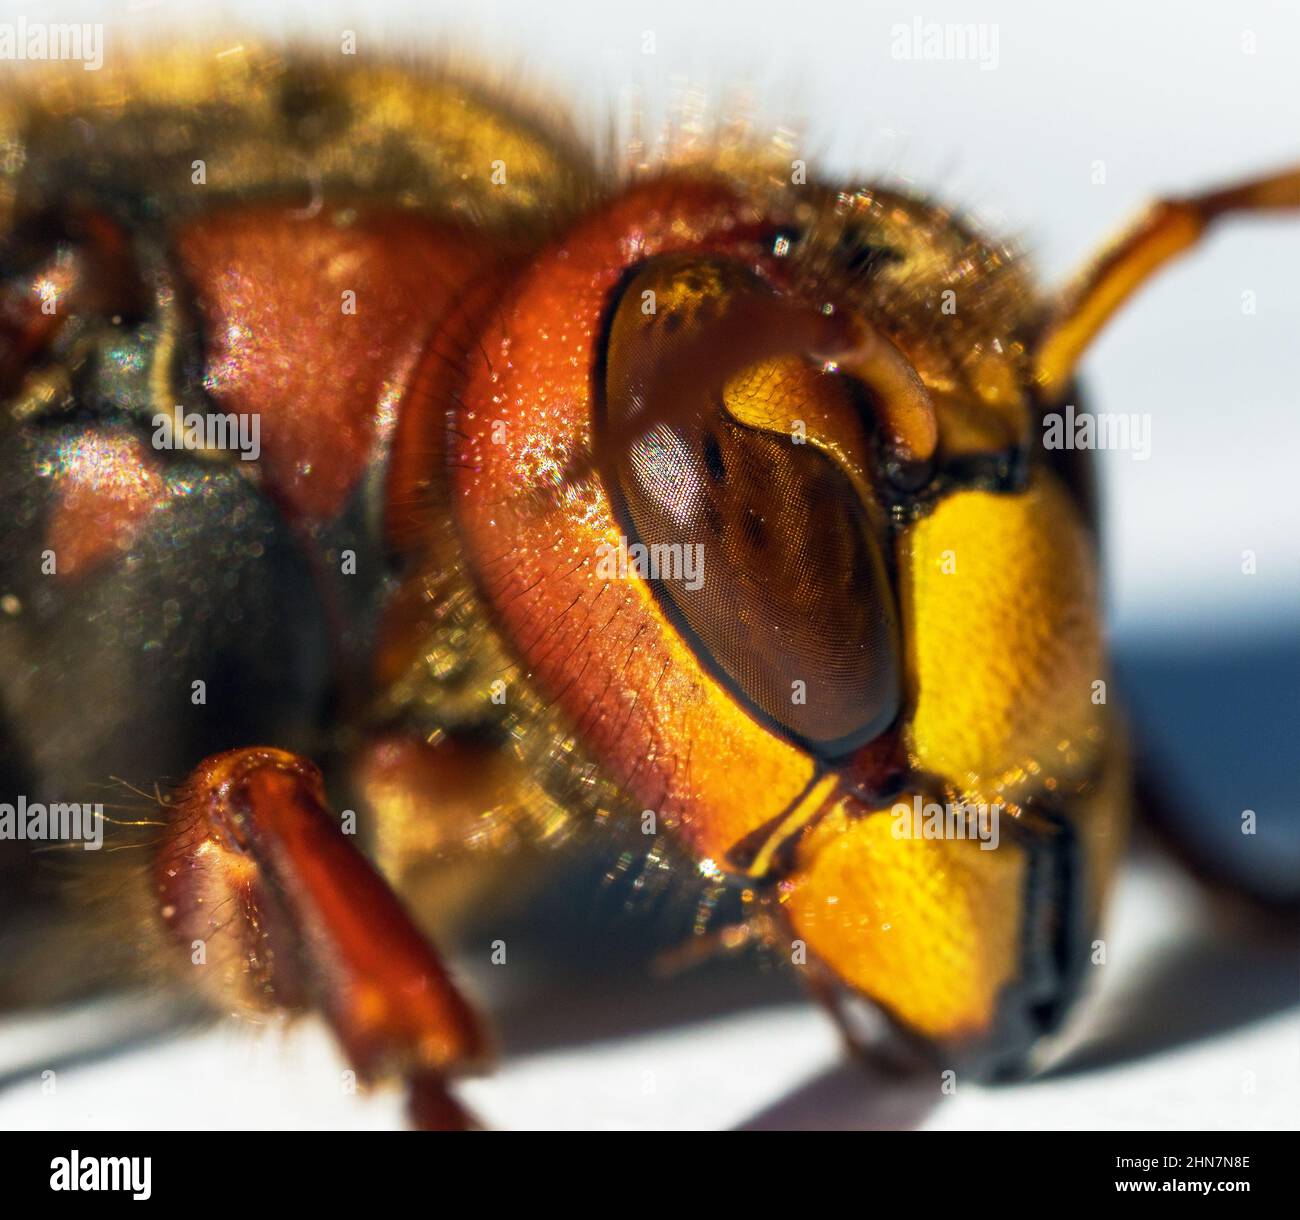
{"x": 744, "y": 506}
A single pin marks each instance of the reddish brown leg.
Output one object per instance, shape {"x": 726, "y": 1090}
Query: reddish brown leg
{"x": 292, "y": 916}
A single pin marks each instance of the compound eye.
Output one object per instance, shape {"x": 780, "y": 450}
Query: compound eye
{"x": 746, "y": 504}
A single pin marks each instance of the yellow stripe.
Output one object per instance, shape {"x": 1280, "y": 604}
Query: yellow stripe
{"x": 807, "y": 808}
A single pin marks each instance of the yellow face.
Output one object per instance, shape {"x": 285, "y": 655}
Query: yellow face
{"x": 1005, "y": 658}
{"x": 766, "y": 522}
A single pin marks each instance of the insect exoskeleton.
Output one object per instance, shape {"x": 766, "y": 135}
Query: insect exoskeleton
{"x": 729, "y": 478}
{"x": 700, "y": 493}
{"x": 766, "y": 521}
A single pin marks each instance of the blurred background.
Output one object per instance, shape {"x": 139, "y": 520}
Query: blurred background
{"x": 1195, "y": 1022}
